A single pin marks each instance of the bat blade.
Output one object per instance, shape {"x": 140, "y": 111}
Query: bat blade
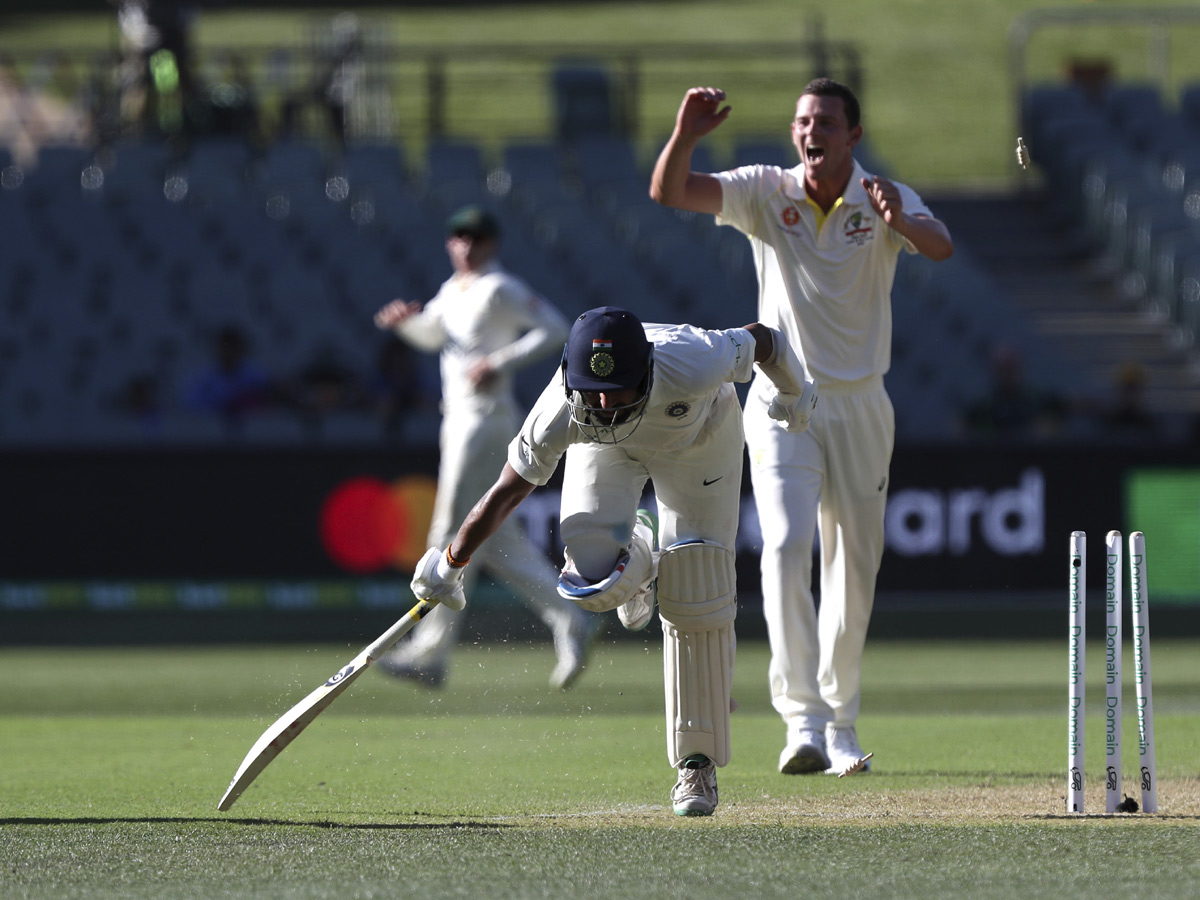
{"x": 287, "y": 727}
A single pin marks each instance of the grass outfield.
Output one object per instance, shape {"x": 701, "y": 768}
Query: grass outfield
{"x": 112, "y": 762}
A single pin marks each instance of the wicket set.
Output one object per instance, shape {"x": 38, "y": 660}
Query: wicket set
{"x": 1077, "y": 671}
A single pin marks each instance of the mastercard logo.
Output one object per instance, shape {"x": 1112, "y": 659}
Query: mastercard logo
{"x": 368, "y": 525}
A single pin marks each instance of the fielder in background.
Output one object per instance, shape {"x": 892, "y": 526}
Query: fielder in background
{"x": 826, "y": 236}
{"x": 632, "y": 404}
{"x": 486, "y": 323}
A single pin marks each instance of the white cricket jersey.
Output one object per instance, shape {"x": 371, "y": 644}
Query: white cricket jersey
{"x": 827, "y": 288}
{"x": 493, "y": 315}
{"x": 692, "y": 392}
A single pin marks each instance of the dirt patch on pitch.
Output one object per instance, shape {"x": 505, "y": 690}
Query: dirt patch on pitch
{"x": 1179, "y": 801}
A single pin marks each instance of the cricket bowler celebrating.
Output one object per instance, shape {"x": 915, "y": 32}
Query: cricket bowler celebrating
{"x": 825, "y": 236}
{"x": 632, "y": 404}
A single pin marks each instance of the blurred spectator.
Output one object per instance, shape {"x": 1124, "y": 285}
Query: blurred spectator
{"x": 1126, "y": 415}
{"x": 30, "y": 116}
{"x": 20, "y": 123}
{"x": 56, "y": 78}
{"x": 1013, "y": 409}
{"x": 155, "y": 76}
{"x": 139, "y": 401}
{"x": 326, "y": 385}
{"x": 232, "y": 107}
{"x": 233, "y": 385}
{"x": 397, "y": 387}
{"x": 338, "y": 75}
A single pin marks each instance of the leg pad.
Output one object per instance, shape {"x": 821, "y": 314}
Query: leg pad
{"x": 697, "y": 604}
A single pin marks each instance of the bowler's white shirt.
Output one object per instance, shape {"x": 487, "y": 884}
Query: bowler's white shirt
{"x": 827, "y": 288}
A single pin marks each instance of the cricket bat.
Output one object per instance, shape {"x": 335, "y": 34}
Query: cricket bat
{"x": 295, "y": 720}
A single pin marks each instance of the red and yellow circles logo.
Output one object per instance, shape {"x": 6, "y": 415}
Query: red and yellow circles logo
{"x": 790, "y": 216}
{"x": 368, "y": 524}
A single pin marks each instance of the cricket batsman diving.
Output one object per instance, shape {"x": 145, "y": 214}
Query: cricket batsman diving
{"x": 633, "y": 404}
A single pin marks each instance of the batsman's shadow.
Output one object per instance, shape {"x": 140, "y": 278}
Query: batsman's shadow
{"x": 233, "y": 820}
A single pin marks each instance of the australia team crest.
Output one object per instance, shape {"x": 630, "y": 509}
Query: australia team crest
{"x": 858, "y": 229}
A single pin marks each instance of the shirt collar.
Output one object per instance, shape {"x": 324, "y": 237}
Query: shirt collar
{"x": 854, "y": 195}
{"x": 820, "y": 213}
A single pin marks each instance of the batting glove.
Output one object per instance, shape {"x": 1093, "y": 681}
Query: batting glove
{"x": 794, "y": 411}
{"x": 436, "y": 579}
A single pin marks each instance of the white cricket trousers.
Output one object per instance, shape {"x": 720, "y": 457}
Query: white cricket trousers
{"x": 833, "y": 475}
{"x": 698, "y": 491}
{"x": 474, "y": 448}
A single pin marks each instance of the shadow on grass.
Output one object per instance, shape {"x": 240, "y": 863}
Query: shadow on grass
{"x": 1015, "y": 775}
{"x": 1128, "y": 816}
{"x": 195, "y": 820}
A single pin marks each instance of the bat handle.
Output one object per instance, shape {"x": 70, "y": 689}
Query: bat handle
{"x": 402, "y": 627}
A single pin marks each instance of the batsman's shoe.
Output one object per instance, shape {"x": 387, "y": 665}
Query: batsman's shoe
{"x": 573, "y": 644}
{"x": 635, "y": 613}
{"x": 844, "y": 750}
{"x": 431, "y": 675}
{"x": 805, "y": 753}
{"x": 695, "y": 793}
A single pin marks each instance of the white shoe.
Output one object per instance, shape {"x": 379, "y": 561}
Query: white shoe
{"x": 572, "y": 646}
{"x": 695, "y": 793}
{"x": 844, "y": 751}
{"x": 635, "y": 613}
{"x": 804, "y": 754}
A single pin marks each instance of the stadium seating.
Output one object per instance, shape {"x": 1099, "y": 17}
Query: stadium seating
{"x": 1125, "y": 164}
{"x": 123, "y": 283}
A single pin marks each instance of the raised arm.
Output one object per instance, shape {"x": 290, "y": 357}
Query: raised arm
{"x": 673, "y": 182}
{"x": 929, "y": 235}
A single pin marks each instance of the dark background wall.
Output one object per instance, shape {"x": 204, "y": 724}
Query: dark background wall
{"x": 960, "y": 519}
{"x": 229, "y": 543}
